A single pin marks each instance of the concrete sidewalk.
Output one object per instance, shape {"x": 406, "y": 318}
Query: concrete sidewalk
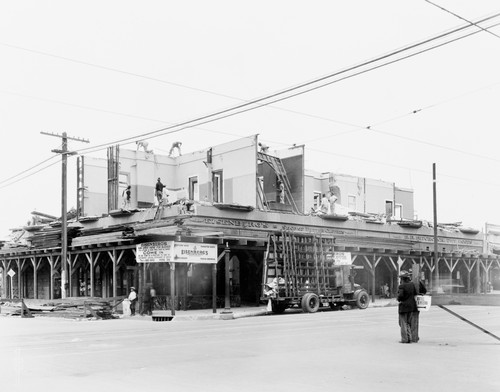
{"x": 234, "y": 313}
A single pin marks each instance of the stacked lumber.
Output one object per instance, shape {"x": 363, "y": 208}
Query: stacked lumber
{"x": 50, "y": 237}
{"x": 74, "y": 308}
{"x": 102, "y": 235}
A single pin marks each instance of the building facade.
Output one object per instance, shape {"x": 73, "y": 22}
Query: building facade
{"x": 234, "y": 196}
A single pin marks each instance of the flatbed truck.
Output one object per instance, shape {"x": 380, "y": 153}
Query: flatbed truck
{"x": 304, "y": 271}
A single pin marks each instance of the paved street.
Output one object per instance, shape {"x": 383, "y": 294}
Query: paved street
{"x": 291, "y": 352}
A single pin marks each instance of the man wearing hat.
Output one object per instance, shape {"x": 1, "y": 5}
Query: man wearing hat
{"x": 407, "y": 308}
{"x": 132, "y": 297}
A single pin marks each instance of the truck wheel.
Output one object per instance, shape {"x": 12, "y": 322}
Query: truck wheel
{"x": 310, "y": 303}
{"x": 278, "y": 307}
{"x": 362, "y": 300}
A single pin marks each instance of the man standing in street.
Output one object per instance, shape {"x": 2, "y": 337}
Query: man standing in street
{"x": 421, "y": 289}
{"x": 407, "y": 307}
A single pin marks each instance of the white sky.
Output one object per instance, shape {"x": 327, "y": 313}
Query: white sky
{"x": 107, "y": 70}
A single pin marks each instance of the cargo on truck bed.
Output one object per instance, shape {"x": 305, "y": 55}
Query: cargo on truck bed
{"x": 305, "y": 271}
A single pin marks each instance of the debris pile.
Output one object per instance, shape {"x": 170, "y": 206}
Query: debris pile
{"x": 74, "y": 308}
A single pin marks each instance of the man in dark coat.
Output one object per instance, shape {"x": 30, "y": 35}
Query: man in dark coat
{"x": 159, "y": 190}
{"x": 416, "y": 315}
{"x": 407, "y": 307}
{"x": 146, "y": 301}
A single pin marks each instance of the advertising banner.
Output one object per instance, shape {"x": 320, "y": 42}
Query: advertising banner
{"x": 176, "y": 252}
{"x": 187, "y": 252}
{"x": 154, "y": 252}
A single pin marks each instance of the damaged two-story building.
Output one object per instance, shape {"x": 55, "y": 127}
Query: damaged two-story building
{"x": 229, "y": 198}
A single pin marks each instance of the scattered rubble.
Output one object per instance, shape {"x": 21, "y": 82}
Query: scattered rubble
{"x": 74, "y": 308}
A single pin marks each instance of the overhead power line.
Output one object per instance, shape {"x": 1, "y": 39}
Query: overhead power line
{"x": 112, "y": 69}
{"x": 27, "y": 170}
{"x": 462, "y": 18}
{"x": 27, "y": 175}
{"x": 298, "y": 89}
{"x": 303, "y": 87}
{"x": 371, "y": 161}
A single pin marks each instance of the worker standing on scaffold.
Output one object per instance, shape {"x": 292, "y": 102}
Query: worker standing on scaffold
{"x": 159, "y": 190}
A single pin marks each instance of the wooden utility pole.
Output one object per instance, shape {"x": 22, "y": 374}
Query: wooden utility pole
{"x": 64, "y": 209}
{"x": 436, "y": 256}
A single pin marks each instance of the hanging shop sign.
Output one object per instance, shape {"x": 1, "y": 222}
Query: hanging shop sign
{"x": 188, "y": 252}
{"x": 154, "y": 252}
{"x": 176, "y": 252}
{"x": 342, "y": 258}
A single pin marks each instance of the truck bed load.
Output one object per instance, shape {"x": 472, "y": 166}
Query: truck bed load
{"x": 304, "y": 270}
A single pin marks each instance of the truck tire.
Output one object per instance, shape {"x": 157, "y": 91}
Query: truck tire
{"x": 310, "y": 303}
{"x": 278, "y": 307}
{"x": 362, "y": 299}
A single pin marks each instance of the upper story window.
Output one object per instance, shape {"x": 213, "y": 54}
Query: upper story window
{"x": 194, "y": 193}
{"x": 389, "y": 210}
{"x": 351, "y": 200}
{"x": 317, "y": 200}
{"x": 398, "y": 211}
{"x": 217, "y": 182}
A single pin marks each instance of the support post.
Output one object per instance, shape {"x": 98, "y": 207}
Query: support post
{"x": 113, "y": 281}
{"x": 227, "y": 300}
{"x": 478, "y": 277}
{"x": 19, "y": 280}
{"x": 91, "y": 276}
{"x": 35, "y": 279}
{"x": 373, "y": 278}
{"x": 51, "y": 262}
{"x": 172, "y": 288}
{"x": 214, "y": 288}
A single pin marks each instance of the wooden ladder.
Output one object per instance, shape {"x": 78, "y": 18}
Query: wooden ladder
{"x": 276, "y": 164}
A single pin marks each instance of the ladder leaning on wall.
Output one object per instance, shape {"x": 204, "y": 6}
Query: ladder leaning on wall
{"x": 277, "y": 166}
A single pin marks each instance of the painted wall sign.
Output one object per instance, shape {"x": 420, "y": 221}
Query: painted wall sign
{"x": 355, "y": 236}
{"x": 441, "y": 240}
{"x": 271, "y": 226}
{"x": 154, "y": 252}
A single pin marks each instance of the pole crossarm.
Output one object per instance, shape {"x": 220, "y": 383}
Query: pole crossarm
{"x": 78, "y": 139}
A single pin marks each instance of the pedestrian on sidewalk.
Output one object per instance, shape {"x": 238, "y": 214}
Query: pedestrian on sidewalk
{"x": 152, "y": 291}
{"x": 147, "y": 301}
{"x": 407, "y": 306}
{"x": 132, "y": 297}
{"x": 387, "y": 293}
